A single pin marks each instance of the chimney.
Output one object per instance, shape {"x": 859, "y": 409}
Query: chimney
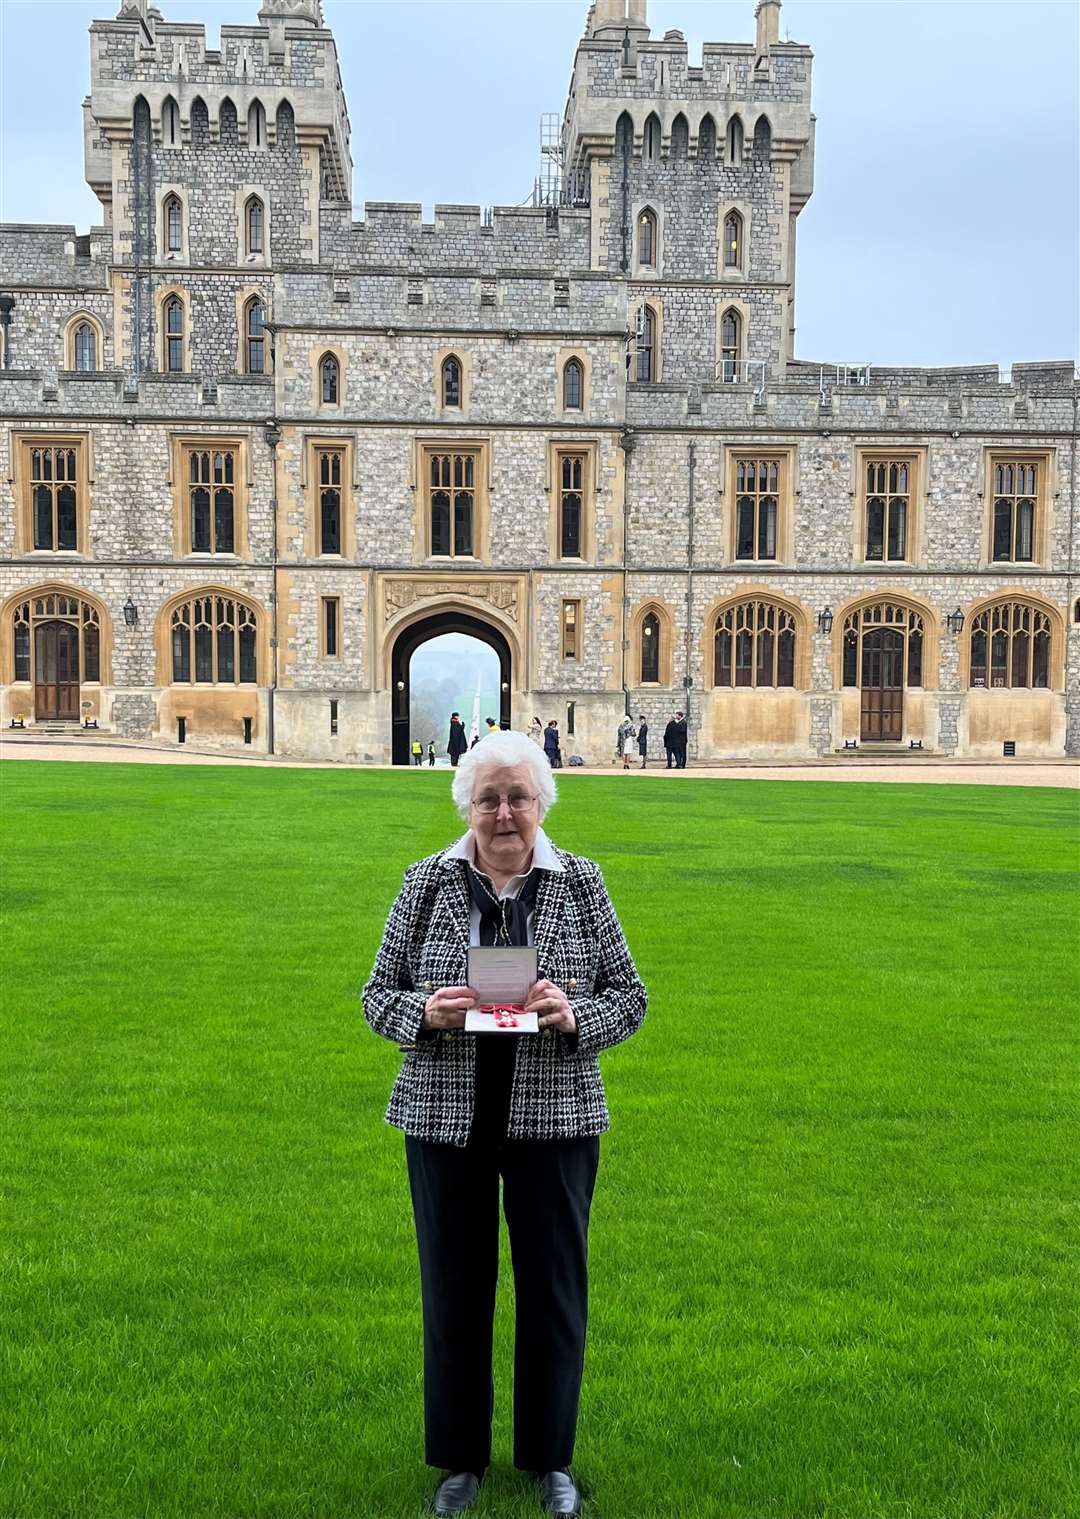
{"x": 767, "y": 16}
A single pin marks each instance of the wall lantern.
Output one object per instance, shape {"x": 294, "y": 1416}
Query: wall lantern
{"x": 401, "y": 685}
{"x": 506, "y": 685}
{"x": 955, "y": 621}
{"x": 131, "y": 613}
{"x": 825, "y": 621}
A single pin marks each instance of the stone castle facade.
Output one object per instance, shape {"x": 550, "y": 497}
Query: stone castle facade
{"x": 255, "y": 452}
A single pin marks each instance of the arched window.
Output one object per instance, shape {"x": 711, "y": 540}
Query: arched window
{"x": 650, "y": 650}
{"x": 706, "y": 142}
{"x": 214, "y": 642}
{"x": 330, "y": 467}
{"x": 173, "y": 319}
{"x": 54, "y": 497}
{"x": 734, "y": 142}
{"x": 680, "y": 137}
{"x": 1016, "y": 491}
{"x": 254, "y": 222}
{"x": 329, "y": 372}
{"x": 754, "y": 645}
{"x": 200, "y": 123}
{"x": 173, "y": 216}
{"x": 573, "y": 385}
{"x": 227, "y": 127}
{"x": 84, "y": 622}
{"x": 255, "y": 336}
{"x": 85, "y": 347}
{"x": 285, "y": 133}
{"x": 888, "y": 485}
{"x": 170, "y": 123}
{"x": 451, "y": 381}
{"x": 733, "y": 225}
{"x": 1010, "y": 646}
{"x": 646, "y": 344}
{"x": 256, "y": 132}
{"x": 211, "y": 488}
{"x": 882, "y": 643}
{"x": 762, "y": 142}
{"x": 757, "y": 494}
{"x": 650, "y": 144}
{"x": 646, "y": 239}
{"x": 571, "y": 495}
{"x": 624, "y": 135}
{"x": 730, "y": 345}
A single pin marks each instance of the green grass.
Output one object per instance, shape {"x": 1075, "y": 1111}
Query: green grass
{"x": 834, "y": 1245}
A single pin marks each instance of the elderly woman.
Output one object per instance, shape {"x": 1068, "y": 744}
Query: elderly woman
{"x": 527, "y": 1107}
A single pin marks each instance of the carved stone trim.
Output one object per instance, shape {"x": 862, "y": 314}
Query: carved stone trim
{"x": 503, "y": 595}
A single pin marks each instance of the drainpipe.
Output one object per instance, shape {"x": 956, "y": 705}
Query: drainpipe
{"x": 272, "y": 435}
{"x": 687, "y": 679}
{"x": 626, "y": 443}
{"x": 7, "y": 306}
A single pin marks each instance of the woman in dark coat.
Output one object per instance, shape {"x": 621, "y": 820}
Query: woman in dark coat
{"x": 457, "y": 743}
{"x": 527, "y": 1107}
{"x": 643, "y": 742}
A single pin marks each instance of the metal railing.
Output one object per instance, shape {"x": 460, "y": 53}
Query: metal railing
{"x": 753, "y": 372}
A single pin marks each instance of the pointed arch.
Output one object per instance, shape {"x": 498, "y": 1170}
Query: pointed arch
{"x": 680, "y": 137}
{"x": 285, "y": 126}
{"x": 647, "y": 362}
{"x": 731, "y": 339}
{"x": 200, "y": 122}
{"x": 646, "y": 239}
{"x": 650, "y": 139}
{"x": 175, "y": 353}
{"x": 758, "y": 640}
{"x": 211, "y": 635}
{"x": 762, "y": 142}
{"x": 255, "y": 342}
{"x": 706, "y": 148}
{"x": 733, "y": 142}
{"x": 907, "y": 614}
{"x": 732, "y": 242}
{"x": 1013, "y": 639}
{"x": 228, "y": 129}
{"x": 84, "y": 343}
{"x": 651, "y": 645}
{"x": 50, "y": 600}
{"x": 172, "y": 224}
{"x": 256, "y": 125}
{"x": 624, "y": 135}
{"x": 450, "y": 382}
{"x": 254, "y": 227}
{"x": 329, "y": 380}
{"x": 573, "y": 385}
{"x": 170, "y": 123}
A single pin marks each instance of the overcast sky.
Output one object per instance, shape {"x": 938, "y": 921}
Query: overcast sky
{"x": 944, "y": 225}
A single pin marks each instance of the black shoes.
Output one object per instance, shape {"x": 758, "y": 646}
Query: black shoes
{"x": 560, "y": 1495}
{"x": 455, "y": 1493}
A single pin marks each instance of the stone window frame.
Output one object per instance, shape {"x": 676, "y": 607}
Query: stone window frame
{"x": 182, "y": 443}
{"x": 557, "y": 448}
{"x": 23, "y": 441}
{"x": 738, "y": 272}
{"x": 71, "y": 329}
{"x": 578, "y": 604}
{"x": 735, "y": 141}
{"x": 656, "y": 306}
{"x": 563, "y": 357}
{"x": 162, "y": 196}
{"x": 465, "y": 369}
{"x": 325, "y": 599}
{"x": 1042, "y": 536}
{"x": 424, "y": 446}
{"x": 256, "y": 113}
{"x": 244, "y": 297}
{"x": 788, "y": 455}
{"x": 741, "y": 311}
{"x": 9, "y": 611}
{"x": 655, "y": 270}
{"x": 318, "y": 356}
{"x": 804, "y": 639}
{"x": 164, "y": 296}
{"x": 915, "y": 456}
{"x": 163, "y": 661}
{"x": 1058, "y": 638}
{"x": 170, "y": 125}
{"x": 668, "y": 624}
{"x": 930, "y": 630}
{"x": 315, "y": 445}
{"x": 243, "y": 197}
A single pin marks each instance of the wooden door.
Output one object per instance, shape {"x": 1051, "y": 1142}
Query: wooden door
{"x": 56, "y": 671}
{"x": 882, "y": 684}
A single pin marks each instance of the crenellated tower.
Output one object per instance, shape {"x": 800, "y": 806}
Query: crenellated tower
{"x": 697, "y": 176}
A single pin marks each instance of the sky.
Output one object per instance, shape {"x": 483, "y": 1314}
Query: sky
{"x": 944, "y": 224}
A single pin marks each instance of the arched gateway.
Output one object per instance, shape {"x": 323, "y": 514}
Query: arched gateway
{"x": 406, "y": 644}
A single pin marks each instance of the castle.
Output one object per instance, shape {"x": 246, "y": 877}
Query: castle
{"x": 255, "y": 452}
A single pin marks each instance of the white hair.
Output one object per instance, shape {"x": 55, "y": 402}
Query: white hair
{"x": 502, "y": 748}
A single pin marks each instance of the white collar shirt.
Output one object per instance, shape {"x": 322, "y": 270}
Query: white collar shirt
{"x": 543, "y": 858}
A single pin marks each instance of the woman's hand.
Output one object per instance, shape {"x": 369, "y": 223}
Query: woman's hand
{"x": 550, "y": 1002}
{"x": 447, "y": 1007}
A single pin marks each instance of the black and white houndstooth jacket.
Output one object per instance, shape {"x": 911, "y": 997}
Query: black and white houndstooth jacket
{"x": 557, "y": 1089}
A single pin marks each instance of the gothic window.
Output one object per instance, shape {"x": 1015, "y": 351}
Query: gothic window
{"x": 54, "y": 497}
{"x": 573, "y": 385}
{"x": 451, "y": 492}
{"x": 451, "y": 382}
{"x": 882, "y": 617}
{"x": 754, "y": 645}
{"x": 211, "y": 500}
{"x": 650, "y": 650}
{"x": 680, "y": 137}
{"x": 85, "y": 347}
{"x": 646, "y": 345}
{"x": 21, "y": 635}
{"x": 254, "y": 223}
{"x": 1010, "y": 646}
{"x": 255, "y": 337}
{"x": 329, "y": 463}
{"x": 170, "y": 124}
{"x": 200, "y": 123}
{"x": 1015, "y": 499}
{"x": 650, "y": 146}
{"x": 762, "y": 142}
{"x": 213, "y": 642}
{"x": 888, "y": 491}
{"x": 572, "y": 474}
{"x": 571, "y": 630}
{"x": 57, "y": 607}
{"x": 173, "y": 214}
{"x": 733, "y": 231}
{"x": 329, "y": 374}
{"x": 285, "y": 133}
{"x": 256, "y": 133}
{"x": 646, "y": 239}
{"x": 173, "y": 319}
{"x": 227, "y": 128}
{"x": 331, "y": 627}
{"x": 730, "y": 345}
{"x": 734, "y": 142}
{"x": 706, "y": 145}
{"x": 757, "y": 500}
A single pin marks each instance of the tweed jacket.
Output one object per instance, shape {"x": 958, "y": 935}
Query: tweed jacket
{"x": 557, "y": 1090}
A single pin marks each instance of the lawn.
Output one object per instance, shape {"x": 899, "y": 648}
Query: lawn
{"x": 835, "y": 1241}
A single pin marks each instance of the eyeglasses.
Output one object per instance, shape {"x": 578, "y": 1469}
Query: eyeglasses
{"x": 519, "y": 801}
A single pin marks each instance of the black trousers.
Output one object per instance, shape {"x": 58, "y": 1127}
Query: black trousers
{"x": 547, "y": 1194}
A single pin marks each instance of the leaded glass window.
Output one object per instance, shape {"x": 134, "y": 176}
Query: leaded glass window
{"x": 451, "y": 502}
{"x": 572, "y": 469}
{"x": 888, "y": 493}
{"x": 213, "y": 641}
{"x": 757, "y": 500}
{"x": 54, "y": 487}
{"x": 1010, "y": 647}
{"x": 754, "y": 645}
{"x": 211, "y": 490}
